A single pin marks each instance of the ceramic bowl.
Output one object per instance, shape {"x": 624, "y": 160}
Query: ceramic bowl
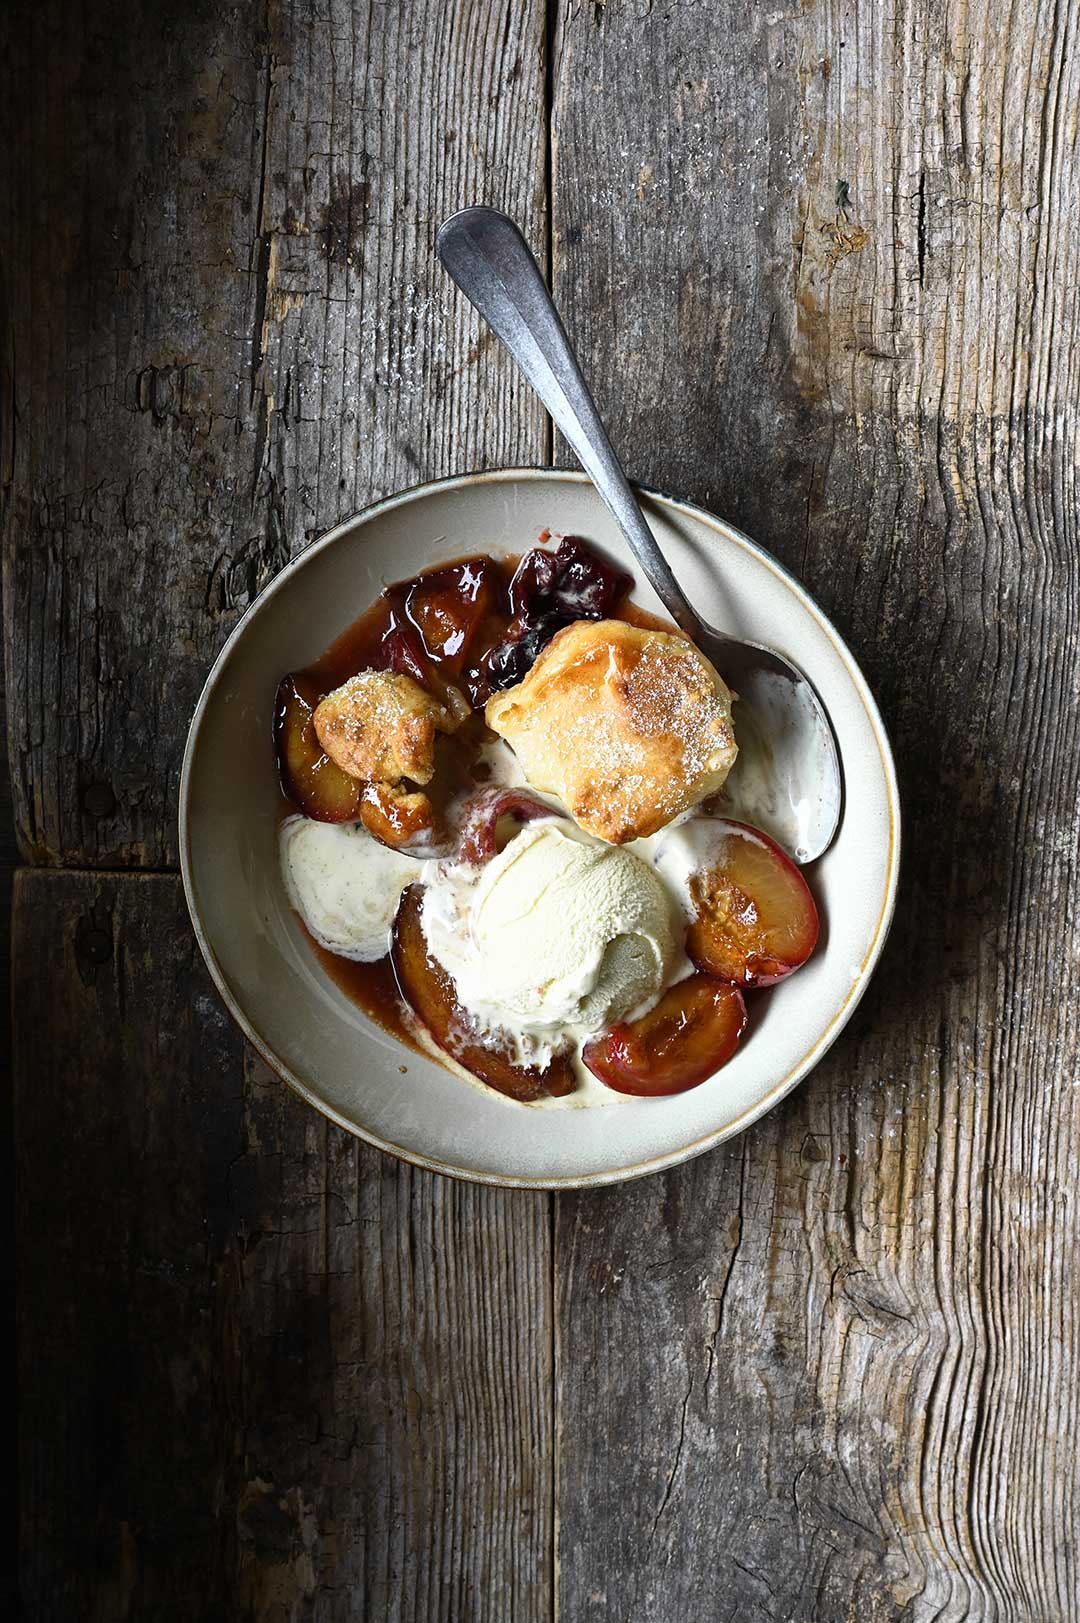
{"x": 303, "y": 1025}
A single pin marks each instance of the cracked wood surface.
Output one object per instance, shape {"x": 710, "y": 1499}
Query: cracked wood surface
{"x": 267, "y": 1372}
{"x": 228, "y": 332}
{"x": 821, "y": 263}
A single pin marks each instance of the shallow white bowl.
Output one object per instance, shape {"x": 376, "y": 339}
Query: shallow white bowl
{"x": 320, "y": 1042}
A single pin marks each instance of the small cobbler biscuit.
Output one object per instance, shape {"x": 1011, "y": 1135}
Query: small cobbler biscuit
{"x": 380, "y": 726}
{"x": 628, "y": 727}
{"x": 400, "y": 818}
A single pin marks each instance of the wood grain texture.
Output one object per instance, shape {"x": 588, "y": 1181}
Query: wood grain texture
{"x": 8, "y": 860}
{"x": 821, "y": 262}
{"x": 266, "y": 1372}
{"x": 224, "y": 330}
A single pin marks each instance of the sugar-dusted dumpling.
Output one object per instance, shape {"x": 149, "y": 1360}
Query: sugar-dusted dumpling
{"x": 629, "y": 727}
{"x": 380, "y": 726}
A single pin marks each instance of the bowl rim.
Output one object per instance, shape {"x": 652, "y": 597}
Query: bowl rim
{"x": 601, "y": 1177}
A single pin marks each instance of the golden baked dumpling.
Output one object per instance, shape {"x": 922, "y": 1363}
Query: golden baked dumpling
{"x": 628, "y": 727}
{"x": 380, "y": 726}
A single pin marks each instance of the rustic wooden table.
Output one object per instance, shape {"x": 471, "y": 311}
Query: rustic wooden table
{"x": 822, "y": 263}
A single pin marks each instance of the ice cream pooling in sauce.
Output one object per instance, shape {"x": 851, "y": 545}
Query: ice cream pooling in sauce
{"x": 557, "y": 937}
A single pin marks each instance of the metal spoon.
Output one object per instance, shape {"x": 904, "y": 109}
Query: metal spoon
{"x": 787, "y": 777}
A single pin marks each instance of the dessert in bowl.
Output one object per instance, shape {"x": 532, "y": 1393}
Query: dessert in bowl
{"x": 506, "y": 789}
{"x": 507, "y": 842}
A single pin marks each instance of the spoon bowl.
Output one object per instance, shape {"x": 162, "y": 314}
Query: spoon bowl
{"x": 788, "y": 772}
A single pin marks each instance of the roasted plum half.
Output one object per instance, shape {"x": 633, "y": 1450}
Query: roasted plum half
{"x": 429, "y": 992}
{"x": 692, "y": 1031}
{"x": 571, "y": 583}
{"x": 308, "y": 776}
{"x": 755, "y": 919}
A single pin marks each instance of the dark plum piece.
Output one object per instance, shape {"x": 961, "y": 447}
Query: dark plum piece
{"x": 535, "y": 580}
{"x": 549, "y": 590}
{"x": 507, "y": 663}
{"x": 572, "y": 583}
{"x": 400, "y": 650}
{"x": 587, "y": 588}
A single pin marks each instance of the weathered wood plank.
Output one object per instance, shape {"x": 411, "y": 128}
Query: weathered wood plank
{"x": 8, "y": 860}
{"x": 265, "y": 1372}
{"x": 822, "y": 265}
{"x": 226, "y": 332}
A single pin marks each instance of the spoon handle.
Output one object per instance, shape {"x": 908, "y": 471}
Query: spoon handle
{"x": 490, "y": 261}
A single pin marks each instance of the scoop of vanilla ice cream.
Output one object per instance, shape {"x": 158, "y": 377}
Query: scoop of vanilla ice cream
{"x": 344, "y": 884}
{"x": 558, "y": 935}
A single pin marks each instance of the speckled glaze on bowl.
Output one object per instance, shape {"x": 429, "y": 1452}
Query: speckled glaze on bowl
{"x": 316, "y": 1039}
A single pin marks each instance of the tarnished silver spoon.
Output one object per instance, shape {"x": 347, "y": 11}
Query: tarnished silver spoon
{"x": 787, "y": 778}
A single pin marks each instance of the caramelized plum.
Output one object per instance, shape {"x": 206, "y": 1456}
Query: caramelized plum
{"x": 756, "y": 919}
{"x": 508, "y": 663}
{"x": 308, "y": 776}
{"x": 533, "y": 585}
{"x": 480, "y": 819}
{"x": 399, "y": 650}
{"x": 692, "y": 1031}
{"x": 435, "y": 617}
{"x": 429, "y": 992}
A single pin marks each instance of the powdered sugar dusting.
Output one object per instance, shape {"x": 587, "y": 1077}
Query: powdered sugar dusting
{"x": 629, "y": 733}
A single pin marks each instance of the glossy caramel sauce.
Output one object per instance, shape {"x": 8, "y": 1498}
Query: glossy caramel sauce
{"x": 373, "y": 641}
{"x": 373, "y": 987}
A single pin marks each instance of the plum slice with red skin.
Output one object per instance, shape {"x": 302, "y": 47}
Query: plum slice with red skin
{"x": 308, "y": 776}
{"x": 429, "y": 992}
{"x": 691, "y": 1032}
{"x": 480, "y": 816}
{"x": 755, "y": 919}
